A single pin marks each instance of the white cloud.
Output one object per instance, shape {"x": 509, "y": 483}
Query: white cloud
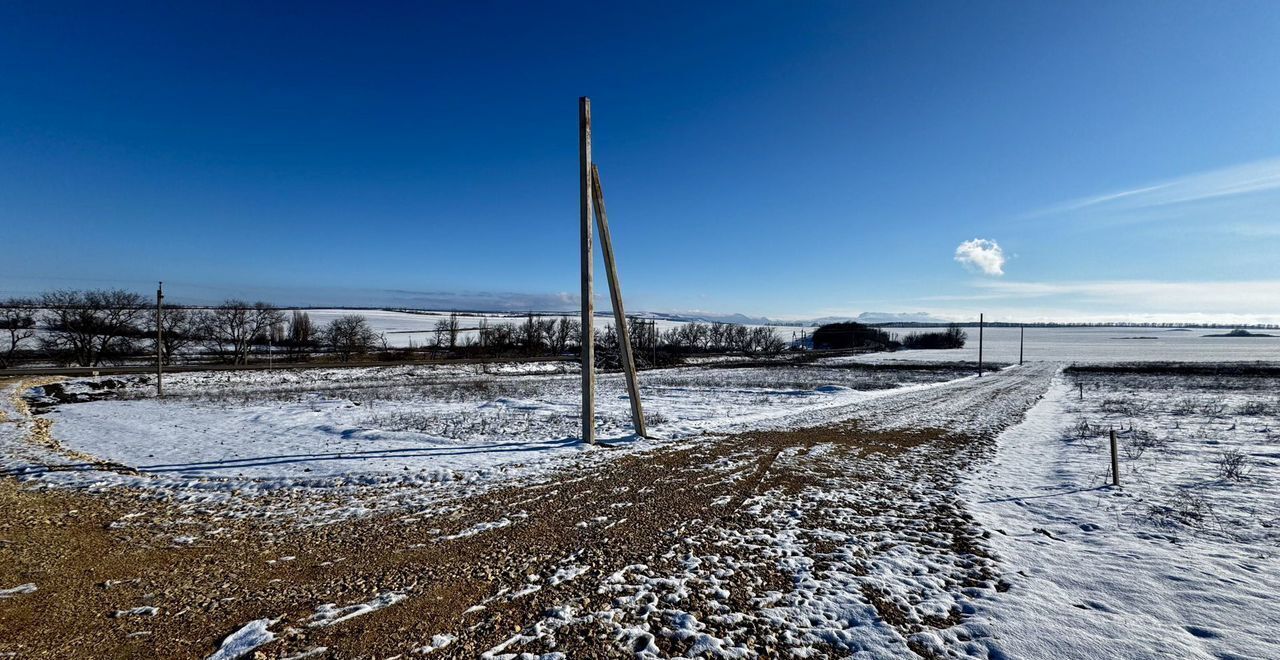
{"x": 982, "y": 255}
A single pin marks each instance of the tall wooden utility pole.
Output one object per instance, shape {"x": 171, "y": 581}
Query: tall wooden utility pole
{"x": 619, "y": 314}
{"x": 588, "y": 266}
{"x": 160, "y": 339}
{"x": 1022, "y": 336}
{"x": 980, "y": 324}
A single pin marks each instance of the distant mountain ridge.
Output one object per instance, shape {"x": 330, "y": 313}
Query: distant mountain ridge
{"x": 871, "y": 318}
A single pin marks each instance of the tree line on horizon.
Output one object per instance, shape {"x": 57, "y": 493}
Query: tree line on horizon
{"x": 91, "y": 328}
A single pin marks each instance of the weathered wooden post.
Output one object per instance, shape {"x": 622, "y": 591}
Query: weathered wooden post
{"x": 1115, "y": 461}
{"x": 980, "y": 324}
{"x": 619, "y": 314}
{"x": 1022, "y": 336}
{"x": 160, "y": 339}
{"x": 588, "y": 267}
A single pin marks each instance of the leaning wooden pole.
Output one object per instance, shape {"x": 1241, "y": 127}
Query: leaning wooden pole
{"x": 588, "y": 266}
{"x": 160, "y": 339}
{"x": 619, "y": 314}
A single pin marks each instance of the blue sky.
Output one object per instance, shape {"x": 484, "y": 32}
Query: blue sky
{"x": 781, "y": 159}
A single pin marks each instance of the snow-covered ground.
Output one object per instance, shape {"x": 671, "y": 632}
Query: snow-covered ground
{"x": 1092, "y": 345}
{"x": 438, "y": 424}
{"x": 1180, "y": 561}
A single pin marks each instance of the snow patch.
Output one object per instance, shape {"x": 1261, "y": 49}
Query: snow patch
{"x": 241, "y": 642}
{"x": 330, "y": 614}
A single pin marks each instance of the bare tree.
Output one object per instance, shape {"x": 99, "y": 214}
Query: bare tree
{"x": 531, "y": 332}
{"x": 500, "y": 336}
{"x": 91, "y": 326}
{"x": 563, "y": 335}
{"x": 232, "y": 327}
{"x": 18, "y": 321}
{"x": 442, "y": 334}
{"x": 763, "y": 339}
{"x": 454, "y": 327}
{"x": 348, "y": 336}
{"x": 181, "y": 329}
{"x": 301, "y": 332}
{"x": 718, "y": 335}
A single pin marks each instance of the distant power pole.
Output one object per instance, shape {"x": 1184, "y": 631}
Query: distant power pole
{"x": 160, "y": 339}
{"x": 652, "y": 331}
{"x": 588, "y": 267}
{"x": 980, "y": 324}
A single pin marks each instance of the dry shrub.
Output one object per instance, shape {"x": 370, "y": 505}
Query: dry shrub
{"x": 1234, "y": 465}
{"x": 1182, "y": 509}
{"x": 1255, "y": 408}
{"x": 1184, "y": 406}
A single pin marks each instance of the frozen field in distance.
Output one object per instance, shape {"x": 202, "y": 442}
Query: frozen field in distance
{"x": 1091, "y": 345}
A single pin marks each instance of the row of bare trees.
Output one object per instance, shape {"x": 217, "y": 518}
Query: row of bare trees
{"x": 91, "y": 328}
{"x": 723, "y": 338}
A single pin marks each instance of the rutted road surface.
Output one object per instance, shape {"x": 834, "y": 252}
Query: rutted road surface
{"x": 823, "y": 542}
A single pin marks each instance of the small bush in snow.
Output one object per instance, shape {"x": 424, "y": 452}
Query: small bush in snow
{"x": 1184, "y": 406}
{"x": 1080, "y": 430}
{"x": 1254, "y": 408}
{"x": 1215, "y": 407}
{"x": 1123, "y": 405}
{"x": 1133, "y": 450}
{"x": 654, "y": 418}
{"x": 1146, "y": 439}
{"x": 1182, "y": 509}
{"x": 1234, "y": 465}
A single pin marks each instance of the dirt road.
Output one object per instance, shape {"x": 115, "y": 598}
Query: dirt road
{"x": 834, "y": 540}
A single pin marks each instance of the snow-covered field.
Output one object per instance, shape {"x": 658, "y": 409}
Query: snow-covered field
{"x": 437, "y": 424}
{"x": 1094, "y": 345}
{"x": 1180, "y": 561}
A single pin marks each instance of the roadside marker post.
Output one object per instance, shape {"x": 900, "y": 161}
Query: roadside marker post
{"x": 1022, "y": 337}
{"x": 1115, "y": 461}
